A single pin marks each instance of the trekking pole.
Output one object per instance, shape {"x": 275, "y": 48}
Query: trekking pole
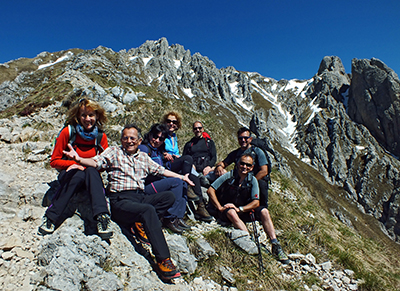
{"x": 256, "y": 238}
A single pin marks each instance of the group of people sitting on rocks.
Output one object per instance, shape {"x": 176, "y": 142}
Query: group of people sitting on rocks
{"x": 150, "y": 184}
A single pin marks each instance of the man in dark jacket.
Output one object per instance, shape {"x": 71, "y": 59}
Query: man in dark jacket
{"x": 202, "y": 149}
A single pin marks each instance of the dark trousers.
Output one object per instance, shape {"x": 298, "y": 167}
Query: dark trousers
{"x": 175, "y": 185}
{"x": 183, "y": 165}
{"x": 128, "y": 207}
{"x": 263, "y": 185}
{"x": 73, "y": 182}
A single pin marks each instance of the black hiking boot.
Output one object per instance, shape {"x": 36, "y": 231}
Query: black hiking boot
{"x": 47, "y": 226}
{"x": 182, "y": 224}
{"x": 104, "y": 226}
{"x": 279, "y": 254}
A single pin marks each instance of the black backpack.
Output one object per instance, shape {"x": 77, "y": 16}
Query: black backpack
{"x": 261, "y": 144}
{"x": 228, "y": 192}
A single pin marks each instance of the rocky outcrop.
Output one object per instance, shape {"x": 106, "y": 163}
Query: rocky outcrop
{"x": 345, "y": 152}
{"x": 375, "y": 101}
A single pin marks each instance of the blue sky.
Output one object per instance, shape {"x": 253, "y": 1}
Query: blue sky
{"x": 278, "y": 39}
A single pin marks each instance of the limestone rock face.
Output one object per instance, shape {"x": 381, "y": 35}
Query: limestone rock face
{"x": 342, "y": 147}
{"x": 375, "y": 101}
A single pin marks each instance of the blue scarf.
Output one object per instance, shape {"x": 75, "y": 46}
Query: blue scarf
{"x": 87, "y": 135}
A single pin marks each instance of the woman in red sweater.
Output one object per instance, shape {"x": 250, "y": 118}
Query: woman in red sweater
{"x": 84, "y": 132}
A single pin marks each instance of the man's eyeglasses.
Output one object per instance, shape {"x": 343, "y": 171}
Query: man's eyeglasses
{"x": 172, "y": 121}
{"x": 129, "y": 138}
{"x": 243, "y": 137}
{"x": 245, "y": 164}
{"x": 197, "y": 128}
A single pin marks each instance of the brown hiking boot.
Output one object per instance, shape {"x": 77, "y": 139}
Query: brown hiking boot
{"x": 202, "y": 214}
{"x": 172, "y": 224}
{"x": 191, "y": 195}
{"x": 167, "y": 270}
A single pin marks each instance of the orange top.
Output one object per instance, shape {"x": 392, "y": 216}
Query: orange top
{"x": 57, "y": 160}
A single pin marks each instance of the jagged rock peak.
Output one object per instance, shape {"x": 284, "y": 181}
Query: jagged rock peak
{"x": 331, "y": 63}
{"x": 359, "y": 65}
{"x": 375, "y": 101}
{"x": 161, "y": 48}
{"x": 331, "y": 80}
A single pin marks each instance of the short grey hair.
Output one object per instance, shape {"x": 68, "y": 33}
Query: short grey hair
{"x": 132, "y": 125}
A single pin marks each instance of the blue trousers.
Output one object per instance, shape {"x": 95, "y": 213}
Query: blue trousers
{"x": 176, "y": 186}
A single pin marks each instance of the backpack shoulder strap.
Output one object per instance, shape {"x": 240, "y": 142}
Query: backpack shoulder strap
{"x": 97, "y": 144}
{"x": 207, "y": 138}
{"x": 150, "y": 150}
{"x": 72, "y": 134}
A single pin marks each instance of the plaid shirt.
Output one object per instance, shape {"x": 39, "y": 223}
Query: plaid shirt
{"x": 126, "y": 172}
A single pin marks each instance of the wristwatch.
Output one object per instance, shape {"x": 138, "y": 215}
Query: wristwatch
{"x": 240, "y": 208}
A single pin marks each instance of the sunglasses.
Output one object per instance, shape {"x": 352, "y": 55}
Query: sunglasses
{"x": 245, "y": 164}
{"x": 172, "y": 121}
{"x": 160, "y": 138}
{"x": 197, "y": 128}
{"x": 243, "y": 137}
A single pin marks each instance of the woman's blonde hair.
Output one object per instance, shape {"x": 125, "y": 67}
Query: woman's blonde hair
{"x": 173, "y": 113}
{"x": 73, "y": 113}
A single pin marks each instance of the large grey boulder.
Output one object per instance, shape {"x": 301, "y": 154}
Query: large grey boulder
{"x": 72, "y": 260}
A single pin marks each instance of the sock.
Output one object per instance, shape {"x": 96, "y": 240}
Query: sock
{"x": 274, "y": 241}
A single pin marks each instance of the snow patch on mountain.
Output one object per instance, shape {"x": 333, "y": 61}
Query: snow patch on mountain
{"x": 65, "y": 57}
{"x": 188, "y": 92}
{"x": 315, "y": 109}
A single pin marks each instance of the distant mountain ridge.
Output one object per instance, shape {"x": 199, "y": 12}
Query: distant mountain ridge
{"x": 346, "y": 126}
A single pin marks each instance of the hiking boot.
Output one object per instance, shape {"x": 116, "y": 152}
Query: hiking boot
{"x": 191, "y": 195}
{"x": 201, "y": 213}
{"x": 204, "y": 181}
{"x": 182, "y": 224}
{"x": 167, "y": 270}
{"x": 172, "y": 224}
{"x": 47, "y": 226}
{"x": 138, "y": 230}
{"x": 104, "y": 226}
{"x": 279, "y": 254}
